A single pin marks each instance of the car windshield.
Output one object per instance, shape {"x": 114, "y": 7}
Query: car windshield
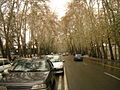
{"x": 78, "y": 55}
{"x": 55, "y": 59}
{"x": 49, "y": 56}
{"x": 31, "y": 66}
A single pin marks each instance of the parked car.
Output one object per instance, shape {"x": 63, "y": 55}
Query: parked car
{"x": 4, "y": 64}
{"x": 58, "y": 63}
{"x": 65, "y": 54}
{"x": 29, "y": 75}
{"x": 49, "y": 56}
{"x": 78, "y": 57}
{"x": 39, "y": 57}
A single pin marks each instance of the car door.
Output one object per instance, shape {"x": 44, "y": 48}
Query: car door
{"x": 52, "y": 75}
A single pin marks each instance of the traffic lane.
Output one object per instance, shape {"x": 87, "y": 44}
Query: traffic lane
{"x": 107, "y": 68}
{"x": 88, "y": 76}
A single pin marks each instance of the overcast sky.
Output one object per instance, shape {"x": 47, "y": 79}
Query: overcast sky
{"x": 59, "y": 6}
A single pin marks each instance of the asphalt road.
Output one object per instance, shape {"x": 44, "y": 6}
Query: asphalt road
{"x": 88, "y": 75}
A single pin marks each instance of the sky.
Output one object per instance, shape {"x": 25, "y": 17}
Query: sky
{"x": 59, "y": 7}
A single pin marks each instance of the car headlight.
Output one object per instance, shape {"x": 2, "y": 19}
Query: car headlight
{"x": 40, "y": 86}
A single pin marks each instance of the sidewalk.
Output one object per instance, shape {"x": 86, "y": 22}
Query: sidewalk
{"x": 110, "y": 63}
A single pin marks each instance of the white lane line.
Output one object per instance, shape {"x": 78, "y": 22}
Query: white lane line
{"x": 65, "y": 81}
{"x": 60, "y": 83}
{"x": 111, "y": 75}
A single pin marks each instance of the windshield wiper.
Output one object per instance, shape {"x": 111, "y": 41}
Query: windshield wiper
{"x": 17, "y": 71}
{"x": 28, "y": 70}
{"x": 38, "y": 70}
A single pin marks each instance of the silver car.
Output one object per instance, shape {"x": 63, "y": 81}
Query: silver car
{"x": 57, "y": 62}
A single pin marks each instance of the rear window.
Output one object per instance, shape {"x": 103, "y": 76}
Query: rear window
{"x": 55, "y": 59}
{"x": 78, "y": 55}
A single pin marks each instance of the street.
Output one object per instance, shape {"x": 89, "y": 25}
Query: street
{"x": 88, "y": 75}
{"x": 79, "y": 40}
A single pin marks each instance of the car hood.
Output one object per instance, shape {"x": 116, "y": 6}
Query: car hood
{"x": 24, "y": 78}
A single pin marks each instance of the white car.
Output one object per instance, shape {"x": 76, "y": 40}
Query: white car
{"x": 4, "y": 64}
{"x": 57, "y": 62}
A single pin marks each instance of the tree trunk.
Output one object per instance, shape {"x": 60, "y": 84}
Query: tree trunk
{"x": 119, "y": 52}
{"x": 104, "y": 53}
{"x": 7, "y": 48}
{"x": 19, "y": 47}
{"x": 2, "y": 48}
{"x": 110, "y": 48}
{"x": 115, "y": 52}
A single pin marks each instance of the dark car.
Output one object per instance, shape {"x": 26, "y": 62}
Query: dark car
{"x": 29, "y": 75}
{"x": 78, "y": 57}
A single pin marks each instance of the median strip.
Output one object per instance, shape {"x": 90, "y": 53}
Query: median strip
{"x": 111, "y": 75}
{"x": 65, "y": 81}
{"x": 59, "y": 83}
{"x": 109, "y": 65}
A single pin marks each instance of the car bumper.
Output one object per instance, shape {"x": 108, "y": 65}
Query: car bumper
{"x": 76, "y": 59}
{"x": 59, "y": 70}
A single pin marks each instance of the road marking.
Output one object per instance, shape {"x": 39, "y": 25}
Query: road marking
{"x": 60, "y": 83}
{"x": 111, "y": 75}
{"x": 65, "y": 81}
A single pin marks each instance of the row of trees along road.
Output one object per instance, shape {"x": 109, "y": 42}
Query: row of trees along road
{"x": 89, "y": 27}
{"x": 93, "y": 27}
{"x": 20, "y": 19}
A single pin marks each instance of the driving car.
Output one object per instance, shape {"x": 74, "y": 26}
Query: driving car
{"x": 29, "y": 75}
{"x": 78, "y": 57}
{"x": 4, "y": 64}
{"x": 57, "y": 62}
